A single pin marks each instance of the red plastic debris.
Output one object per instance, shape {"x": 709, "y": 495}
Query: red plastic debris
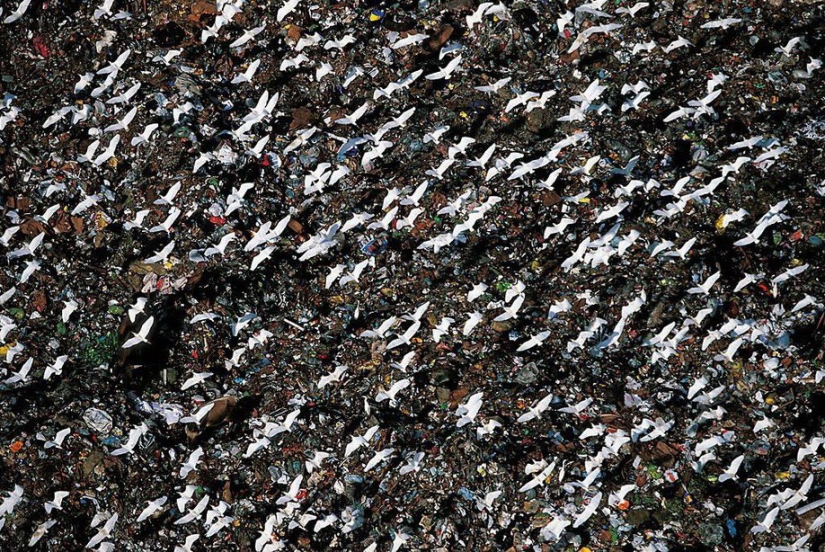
{"x": 39, "y": 44}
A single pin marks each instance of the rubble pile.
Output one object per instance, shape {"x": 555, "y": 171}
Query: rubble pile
{"x": 432, "y": 275}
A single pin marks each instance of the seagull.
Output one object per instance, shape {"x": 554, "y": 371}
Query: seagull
{"x": 721, "y": 23}
{"x": 134, "y": 437}
{"x": 478, "y": 16}
{"x": 242, "y": 322}
{"x": 730, "y": 472}
{"x": 406, "y": 337}
{"x": 359, "y": 441}
{"x": 409, "y": 40}
{"x": 84, "y": 81}
{"x": 413, "y": 463}
{"x": 634, "y": 103}
{"x": 339, "y": 44}
{"x": 715, "y": 80}
{"x": 382, "y": 329}
{"x": 126, "y": 96}
{"x": 682, "y": 251}
{"x": 18, "y": 13}
{"x": 400, "y": 122}
{"x": 642, "y": 47}
{"x": 104, "y": 9}
{"x": 435, "y": 135}
{"x": 143, "y": 137}
{"x": 41, "y": 531}
{"x": 121, "y": 124}
{"x": 590, "y": 94}
{"x": 354, "y": 116}
{"x": 494, "y": 87}
{"x": 589, "y": 510}
{"x": 56, "y": 502}
{"x": 29, "y": 248}
{"x": 559, "y": 227}
{"x": 754, "y": 235}
{"x": 810, "y": 448}
{"x": 31, "y": 267}
{"x": 543, "y": 471}
{"x": 577, "y": 408}
{"x": 704, "y": 288}
{"x": 611, "y": 212}
{"x": 799, "y": 495}
{"x": 110, "y": 151}
{"x": 333, "y": 377}
{"x": 393, "y": 391}
{"x": 680, "y": 42}
{"x": 442, "y": 328}
{"x": 790, "y": 273}
{"x": 577, "y": 255}
{"x": 192, "y": 463}
{"x": 806, "y": 301}
{"x": 55, "y": 368}
{"x": 487, "y": 428}
{"x": 116, "y": 65}
{"x": 511, "y": 311}
{"x": 166, "y": 225}
{"x": 257, "y": 445}
{"x": 468, "y": 411}
{"x": 166, "y": 199}
{"x": 141, "y": 336}
{"x": 537, "y": 339}
{"x": 355, "y": 274}
{"x": 520, "y": 99}
{"x": 59, "y": 437}
{"x": 401, "y": 84}
{"x": 729, "y": 353}
{"x": 473, "y": 321}
{"x": 103, "y": 532}
{"x": 438, "y": 172}
{"x": 246, "y": 36}
{"x": 220, "y": 247}
{"x": 288, "y": 7}
{"x": 415, "y": 197}
{"x": 249, "y": 73}
{"x": 167, "y": 58}
{"x": 197, "y": 378}
{"x": 379, "y": 457}
{"x": 137, "y": 308}
{"x": 8, "y": 234}
{"x": 746, "y": 143}
{"x": 487, "y": 502}
{"x": 679, "y": 113}
{"x": 703, "y": 104}
{"x": 384, "y": 223}
{"x": 477, "y": 291}
{"x": 535, "y": 411}
{"x": 153, "y": 507}
{"x": 727, "y": 218}
{"x": 293, "y": 63}
{"x": 446, "y": 72}
{"x": 399, "y": 539}
{"x": 161, "y": 255}
{"x": 766, "y": 523}
{"x": 634, "y": 9}
{"x": 564, "y": 20}
{"x": 193, "y": 514}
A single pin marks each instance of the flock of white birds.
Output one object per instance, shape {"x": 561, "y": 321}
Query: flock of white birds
{"x": 585, "y": 234}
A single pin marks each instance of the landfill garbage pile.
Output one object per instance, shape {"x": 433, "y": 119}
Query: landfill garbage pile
{"x": 432, "y": 275}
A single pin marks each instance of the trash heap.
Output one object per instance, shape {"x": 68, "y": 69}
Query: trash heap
{"x": 434, "y": 275}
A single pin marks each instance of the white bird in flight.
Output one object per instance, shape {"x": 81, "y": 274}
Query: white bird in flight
{"x": 18, "y": 13}
{"x": 142, "y": 335}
